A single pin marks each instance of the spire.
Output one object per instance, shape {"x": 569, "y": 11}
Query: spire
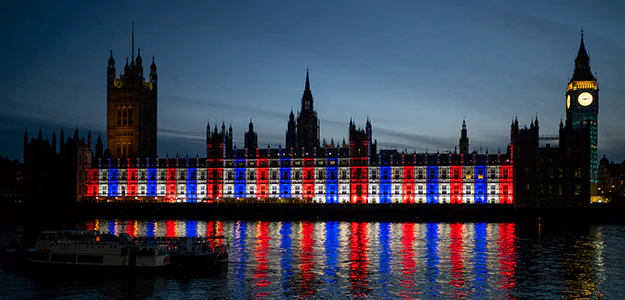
{"x": 139, "y": 60}
{"x": 307, "y": 98}
{"x": 307, "y": 88}
{"x": 111, "y": 60}
{"x": 153, "y": 66}
{"x": 582, "y": 63}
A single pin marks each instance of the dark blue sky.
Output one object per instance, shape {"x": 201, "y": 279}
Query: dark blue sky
{"x": 417, "y": 68}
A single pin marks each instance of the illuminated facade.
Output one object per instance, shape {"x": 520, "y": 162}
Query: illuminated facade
{"x": 131, "y": 108}
{"x": 328, "y": 175}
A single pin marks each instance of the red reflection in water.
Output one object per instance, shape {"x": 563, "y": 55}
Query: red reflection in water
{"x": 408, "y": 262}
{"x": 358, "y": 264}
{"x": 90, "y": 225}
{"x": 456, "y": 248}
{"x": 170, "y": 228}
{"x": 507, "y": 256}
{"x": 306, "y": 264}
{"x": 262, "y": 248}
{"x": 131, "y": 228}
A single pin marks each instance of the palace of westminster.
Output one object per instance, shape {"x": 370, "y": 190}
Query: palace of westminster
{"x": 307, "y": 168}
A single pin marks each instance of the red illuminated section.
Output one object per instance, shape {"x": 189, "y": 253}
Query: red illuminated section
{"x": 507, "y": 257}
{"x": 408, "y": 261}
{"x": 358, "y": 181}
{"x": 171, "y": 185}
{"x": 359, "y": 265}
{"x": 408, "y": 184}
{"x": 455, "y": 183}
{"x": 505, "y": 184}
{"x": 456, "y": 248}
{"x": 262, "y": 248}
{"x": 215, "y": 183}
{"x": 262, "y": 179}
{"x": 132, "y": 182}
{"x": 308, "y": 181}
{"x": 306, "y": 263}
{"x": 91, "y": 186}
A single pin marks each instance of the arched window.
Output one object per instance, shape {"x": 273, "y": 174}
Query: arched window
{"x": 129, "y": 112}
{"x": 119, "y": 116}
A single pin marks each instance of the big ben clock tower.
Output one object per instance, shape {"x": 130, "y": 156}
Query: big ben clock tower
{"x": 582, "y": 107}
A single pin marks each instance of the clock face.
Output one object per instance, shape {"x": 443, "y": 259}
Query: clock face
{"x": 568, "y": 101}
{"x": 584, "y": 99}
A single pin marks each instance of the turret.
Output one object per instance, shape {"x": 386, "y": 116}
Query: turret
{"x": 54, "y": 140}
{"x": 111, "y": 70}
{"x": 99, "y": 148}
{"x": 62, "y": 140}
{"x": 139, "y": 61}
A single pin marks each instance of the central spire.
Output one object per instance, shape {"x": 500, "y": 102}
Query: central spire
{"x": 307, "y": 88}
{"x": 307, "y": 98}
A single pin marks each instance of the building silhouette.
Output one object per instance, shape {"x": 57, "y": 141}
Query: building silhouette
{"x": 131, "y": 123}
{"x": 56, "y": 177}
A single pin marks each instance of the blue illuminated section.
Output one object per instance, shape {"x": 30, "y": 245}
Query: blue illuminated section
{"x": 386, "y": 258}
{"x": 239, "y": 254}
{"x": 432, "y": 260}
{"x": 480, "y": 273}
{"x": 332, "y": 251}
{"x": 480, "y": 184}
{"x": 151, "y": 182}
{"x": 150, "y": 229}
{"x": 431, "y": 183}
{"x": 285, "y": 177}
{"x": 385, "y": 184}
{"x": 191, "y": 185}
{"x": 191, "y": 227}
{"x": 332, "y": 181}
{"x": 113, "y": 182}
{"x": 286, "y": 260}
{"x": 239, "y": 178}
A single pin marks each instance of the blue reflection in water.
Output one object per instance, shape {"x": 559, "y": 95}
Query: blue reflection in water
{"x": 480, "y": 274}
{"x": 112, "y": 227}
{"x": 332, "y": 247}
{"x": 240, "y": 234}
{"x": 384, "y": 236}
{"x": 431, "y": 249}
{"x": 286, "y": 259}
{"x": 150, "y": 229}
{"x": 191, "y": 228}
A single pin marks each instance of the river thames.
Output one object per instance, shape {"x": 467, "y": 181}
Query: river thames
{"x": 362, "y": 260}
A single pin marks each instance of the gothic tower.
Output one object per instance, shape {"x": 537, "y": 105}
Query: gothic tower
{"x": 307, "y": 121}
{"x": 251, "y": 138}
{"x": 131, "y": 108}
{"x": 582, "y": 106}
{"x": 291, "y": 132}
{"x": 464, "y": 139}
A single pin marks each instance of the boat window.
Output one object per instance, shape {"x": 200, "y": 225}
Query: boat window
{"x": 62, "y": 258}
{"x": 90, "y": 259}
{"x": 145, "y": 252}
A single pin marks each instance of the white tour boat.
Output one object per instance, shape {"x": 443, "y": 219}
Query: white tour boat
{"x": 92, "y": 249}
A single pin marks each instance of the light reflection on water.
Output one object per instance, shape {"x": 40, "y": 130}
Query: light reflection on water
{"x": 372, "y": 260}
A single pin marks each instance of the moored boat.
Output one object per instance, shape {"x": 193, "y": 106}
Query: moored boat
{"x": 193, "y": 252}
{"x": 88, "y": 248}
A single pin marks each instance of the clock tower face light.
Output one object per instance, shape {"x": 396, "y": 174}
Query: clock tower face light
{"x": 584, "y": 99}
{"x": 568, "y": 101}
